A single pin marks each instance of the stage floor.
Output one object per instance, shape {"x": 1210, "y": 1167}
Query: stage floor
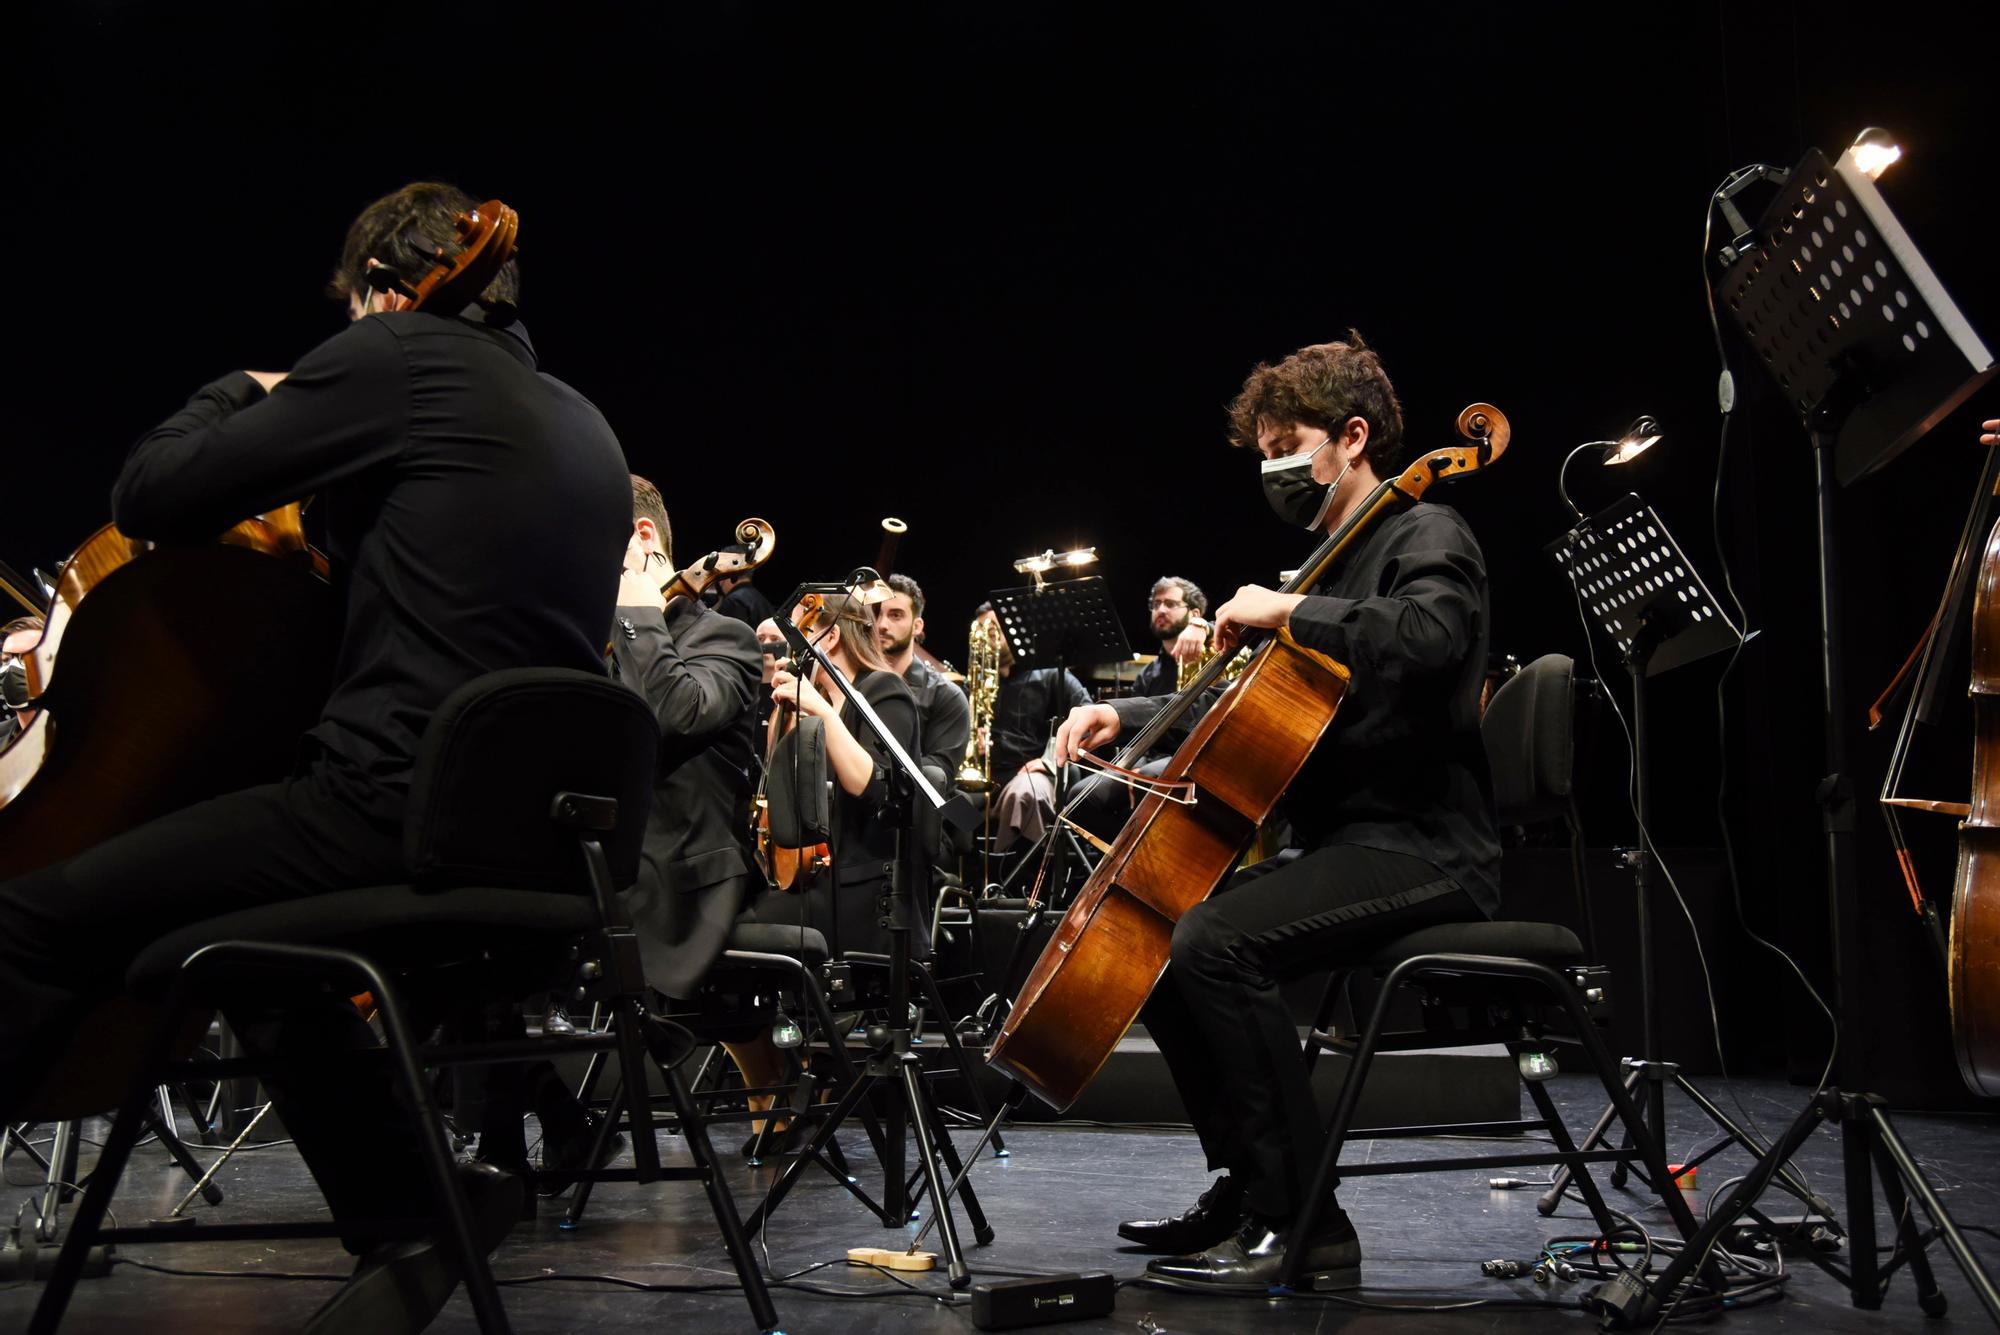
{"x": 1054, "y": 1204}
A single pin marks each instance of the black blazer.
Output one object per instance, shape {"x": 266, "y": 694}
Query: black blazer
{"x": 699, "y": 671}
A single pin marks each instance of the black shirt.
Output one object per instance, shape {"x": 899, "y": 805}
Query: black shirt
{"x": 1159, "y": 677}
{"x": 1027, "y": 702}
{"x": 747, "y": 603}
{"x": 1402, "y": 767}
{"x": 944, "y": 714}
{"x": 864, "y": 829}
{"x": 476, "y": 511}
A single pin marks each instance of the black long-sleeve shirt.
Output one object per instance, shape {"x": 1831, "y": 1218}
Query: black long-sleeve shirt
{"x": 1402, "y": 767}
{"x": 1028, "y": 701}
{"x": 945, "y": 716}
{"x": 476, "y": 511}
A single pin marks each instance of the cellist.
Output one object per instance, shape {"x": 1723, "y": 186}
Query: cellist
{"x": 1391, "y": 814}
{"x": 477, "y": 511}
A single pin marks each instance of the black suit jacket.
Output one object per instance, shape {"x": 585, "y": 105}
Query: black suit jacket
{"x": 699, "y": 671}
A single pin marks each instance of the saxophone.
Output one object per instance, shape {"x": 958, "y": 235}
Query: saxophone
{"x": 1185, "y": 673}
{"x": 982, "y": 681}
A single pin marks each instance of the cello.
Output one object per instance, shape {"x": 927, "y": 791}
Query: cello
{"x": 169, "y": 674}
{"x": 1110, "y": 949}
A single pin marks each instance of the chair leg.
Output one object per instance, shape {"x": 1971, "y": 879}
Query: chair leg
{"x": 1329, "y": 998}
{"x": 627, "y": 1015}
{"x": 958, "y": 1055}
{"x": 695, "y": 1131}
{"x": 459, "y": 1237}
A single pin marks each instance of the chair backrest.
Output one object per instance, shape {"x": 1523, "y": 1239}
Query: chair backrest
{"x": 1529, "y": 730}
{"x": 493, "y": 758}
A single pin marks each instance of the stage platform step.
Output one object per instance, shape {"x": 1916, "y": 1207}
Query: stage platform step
{"x": 1473, "y": 1084}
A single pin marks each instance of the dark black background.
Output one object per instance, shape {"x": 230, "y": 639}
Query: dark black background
{"x": 997, "y": 269}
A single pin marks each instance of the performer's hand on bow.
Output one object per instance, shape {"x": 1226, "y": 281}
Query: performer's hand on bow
{"x": 1990, "y": 432}
{"x": 1087, "y": 728}
{"x": 1253, "y": 608}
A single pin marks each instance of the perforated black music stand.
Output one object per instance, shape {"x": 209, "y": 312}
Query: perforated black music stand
{"x": 1635, "y": 584}
{"x": 1839, "y": 305}
{"x": 1054, "y": 625}
{"x": 1871, "y": 352}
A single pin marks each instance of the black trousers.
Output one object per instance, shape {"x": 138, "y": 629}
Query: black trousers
{"x": 1222, "y": 1026}
{"x": 68, "y": 933}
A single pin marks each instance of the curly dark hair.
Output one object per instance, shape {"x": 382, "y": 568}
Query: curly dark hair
{"x": 1322, "y": 386}
{"x": 402, "y": 231}
{"x": 910, "y": 589}
{"x": 1191, "y": 594}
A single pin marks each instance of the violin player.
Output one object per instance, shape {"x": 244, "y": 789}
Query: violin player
{"x": 455, "y": 478}
{"x": 1390, "y": 815}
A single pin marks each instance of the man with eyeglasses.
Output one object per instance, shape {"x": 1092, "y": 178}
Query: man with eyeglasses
{"x": 1174, "y": 611}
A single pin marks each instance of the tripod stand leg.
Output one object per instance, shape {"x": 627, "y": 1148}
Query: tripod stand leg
{"x": 958, "y": 1054}
{"x": 1787, "y": 1175}
{"x": 982, "y": 1232}
{"x": 164, "y": 1129}
{"x": 913, "y": 1096}
{"x": 1866, "y": 1286}
{"x": 849, "y": 1098}
{"x": 1890, "y": 1147}
{"x": 17, "y": 1136}
{"x": 1559, "y": 1184}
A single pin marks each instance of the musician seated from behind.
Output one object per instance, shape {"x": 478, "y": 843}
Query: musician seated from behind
{"x": 738, "y": 595}
{"x": 476, "y": 511}
{"x": 943, "y": 713}
{"x": 17, "y": 638}
{"x": 1390, "y": 814}
{"x": 1028, "y": 702}
{"x": 1174, "y": 610}
{"x": 698, "y": 670}
{"x": 843, "y": 902}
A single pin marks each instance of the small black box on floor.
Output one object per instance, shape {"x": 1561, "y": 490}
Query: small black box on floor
{"x": 1044, "y": 1301}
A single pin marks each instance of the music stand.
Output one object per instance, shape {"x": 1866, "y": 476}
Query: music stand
{"x": 1633, "y": 582}
{"x": 1867, "y": 380}
{"x": 1054, "y": 625}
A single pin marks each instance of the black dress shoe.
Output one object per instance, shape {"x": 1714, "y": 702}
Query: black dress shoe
{"x": 1210, "y": 1220}
{"x": 398, "y": 1288}
{"x": 1250, "y": 1261}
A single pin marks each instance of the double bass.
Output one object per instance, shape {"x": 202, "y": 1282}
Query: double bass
{"x": 1111, "y": 947}
{"x": 166, "y": 675}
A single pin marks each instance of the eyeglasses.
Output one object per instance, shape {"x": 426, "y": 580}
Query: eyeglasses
{"x": 772, "y": 648}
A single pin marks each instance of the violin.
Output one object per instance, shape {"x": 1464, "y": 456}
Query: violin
{"x": 788, "y": 868}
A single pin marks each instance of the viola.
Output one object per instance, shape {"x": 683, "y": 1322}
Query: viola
{"x": 785, "y": 867}
{"x": 1111, "y": 947}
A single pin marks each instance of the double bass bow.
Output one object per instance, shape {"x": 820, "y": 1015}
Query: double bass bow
{"x": 1111, "y": 947}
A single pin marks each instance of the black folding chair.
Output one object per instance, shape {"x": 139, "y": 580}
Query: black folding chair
{"x": 526, "y": 813}
{"x": 1525, "y": 985}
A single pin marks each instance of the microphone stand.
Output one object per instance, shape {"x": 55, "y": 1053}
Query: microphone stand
{"x": 890, "y": 1058}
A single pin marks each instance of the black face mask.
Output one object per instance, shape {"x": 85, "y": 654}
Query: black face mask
{"x": 1294, "y": 494}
